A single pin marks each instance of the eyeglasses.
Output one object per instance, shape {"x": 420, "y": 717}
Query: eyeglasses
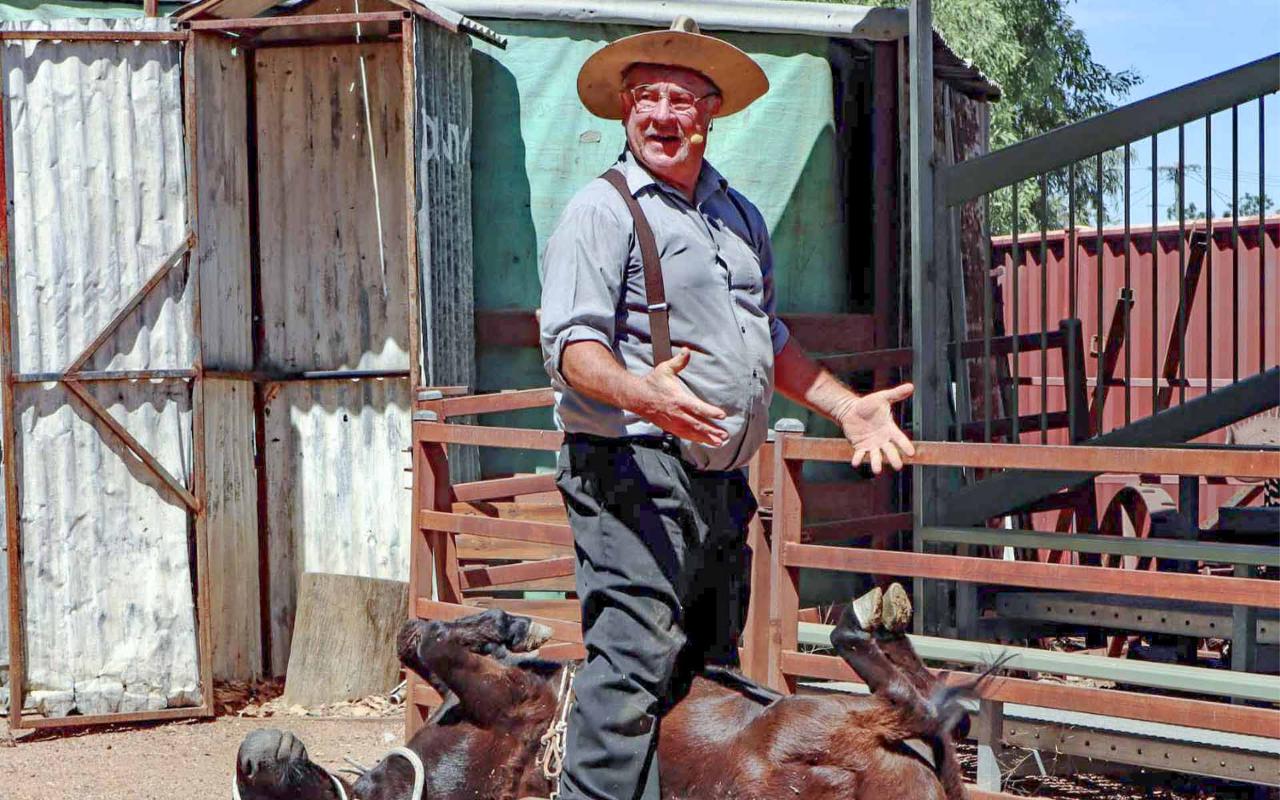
{"x": 647, "y": 97}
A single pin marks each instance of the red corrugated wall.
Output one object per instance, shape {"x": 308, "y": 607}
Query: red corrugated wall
{"x": 1232, "y": 321}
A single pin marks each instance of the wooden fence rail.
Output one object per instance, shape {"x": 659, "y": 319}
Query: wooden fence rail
{"x": 531, "y": 543}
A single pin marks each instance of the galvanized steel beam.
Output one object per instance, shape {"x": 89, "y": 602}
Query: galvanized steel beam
{"x": 1199, "y": 620}
{"x": 1200, "y": 680}
{"x": 1007, "y": 491}
{"x": 1067, "y": 145}
{"x": 1216, "y": 552}
{"x": 1195, "y": 759}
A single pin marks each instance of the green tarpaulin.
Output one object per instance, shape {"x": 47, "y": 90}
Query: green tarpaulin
{"x": 534, "y": 145}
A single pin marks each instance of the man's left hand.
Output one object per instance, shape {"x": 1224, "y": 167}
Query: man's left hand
{"x": 868, "y": 424}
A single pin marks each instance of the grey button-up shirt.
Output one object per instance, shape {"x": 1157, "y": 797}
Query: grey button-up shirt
{"x": 717, "y": 269}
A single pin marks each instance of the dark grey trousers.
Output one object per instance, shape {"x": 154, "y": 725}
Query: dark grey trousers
{"x": 663, "y": 576}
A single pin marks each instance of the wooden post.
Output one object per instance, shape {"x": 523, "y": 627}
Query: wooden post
{"x": 433, "y": 555}
{"x": 784, "y": 604}
{"x": 150, "y": 8}
{"x": 990, "y": 733}
{"x": 754, "y": 648}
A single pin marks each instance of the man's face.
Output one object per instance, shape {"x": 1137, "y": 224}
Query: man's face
{"x": 663, "y": 108}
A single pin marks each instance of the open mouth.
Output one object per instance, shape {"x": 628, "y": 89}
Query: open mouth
{"x": 664, "y": 139}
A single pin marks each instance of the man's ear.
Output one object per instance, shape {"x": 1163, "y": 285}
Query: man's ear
{"x": 714, "y": 102}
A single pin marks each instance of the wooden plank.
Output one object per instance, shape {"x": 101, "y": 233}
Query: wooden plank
{"x": 500, "y": 488}
{"x": 493, "y": 576}
{"x": 94, "y": 36}
{"x": 221, "y": 269}
{"x": 1117, "y": 334}
{"x": 344, "y": 635}
{"x": 819, "y": 333}
{"x": 567, "y": 610}
{"x": 565, "y": 584}
{"x": 29, "y": 722}
{"x": 1061, "y": 458}
{"x": 832, "y": 500}
{"x": 9, "y": 457}
{"x": 542, "y": 532}
{"x": 851, "y": 528}
{"x": 532, "y": 512}
{"x": 1173, "y": 354}
{"x": 753, "y": 651}
{"x": 1245, "y": 720}
{"x": 484, "y": 548}
{"x": 1252, "y": 592}
{"x": 251, "y": 23}
{"x": 515, "y": 438}
{"x": 497, "y": 401}
{"x": 784, "y": 579}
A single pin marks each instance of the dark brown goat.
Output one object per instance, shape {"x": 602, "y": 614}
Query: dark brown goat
{"x": 726, "y": 739}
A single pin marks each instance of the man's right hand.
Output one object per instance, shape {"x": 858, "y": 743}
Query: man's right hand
{"x": 667, "y": 402}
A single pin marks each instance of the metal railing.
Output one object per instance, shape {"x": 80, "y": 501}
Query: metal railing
{"x": 1169, "y": 309}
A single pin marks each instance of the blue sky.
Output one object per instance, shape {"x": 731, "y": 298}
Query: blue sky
{"x": 1174, "y": 42}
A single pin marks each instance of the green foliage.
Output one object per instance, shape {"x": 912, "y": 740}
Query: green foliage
{"x": 1251, "y": 205}
{"x": 1049, "y": 78}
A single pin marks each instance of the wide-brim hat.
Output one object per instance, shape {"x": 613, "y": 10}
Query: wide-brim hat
{"x": 738, "y": 77}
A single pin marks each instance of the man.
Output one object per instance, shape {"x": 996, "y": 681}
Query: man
{"x": 655, "y": 439}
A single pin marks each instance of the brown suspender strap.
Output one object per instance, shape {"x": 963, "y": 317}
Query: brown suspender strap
{"x": 655, "y": 294}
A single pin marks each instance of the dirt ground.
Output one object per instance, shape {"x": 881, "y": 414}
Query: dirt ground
{"x": 195, "y": 760}
{"x": 174, "y": 761}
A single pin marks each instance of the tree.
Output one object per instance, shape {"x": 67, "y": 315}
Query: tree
{"x": 1251, "y": 205}
{"x": 1049, "y": 78}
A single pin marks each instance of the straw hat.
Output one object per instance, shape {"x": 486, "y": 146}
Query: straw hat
{"x": 737, "y": 76}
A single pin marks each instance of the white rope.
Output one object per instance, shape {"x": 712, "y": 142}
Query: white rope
{"x": 419, "y": 771}
{"x": 373, "y": 159}
{"x": 551, "y": 754}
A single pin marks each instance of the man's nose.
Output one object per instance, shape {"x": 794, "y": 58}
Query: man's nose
{"x": 662, "y": 111}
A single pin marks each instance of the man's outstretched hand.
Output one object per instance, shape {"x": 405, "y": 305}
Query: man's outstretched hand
{"x": 868, "y": 424}
{"x": 668, "y": 403}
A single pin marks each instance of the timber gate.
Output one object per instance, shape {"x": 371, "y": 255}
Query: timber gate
{"x": 1012, "y": 540}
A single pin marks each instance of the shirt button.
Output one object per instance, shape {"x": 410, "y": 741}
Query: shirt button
{"x": 744, "y": 328}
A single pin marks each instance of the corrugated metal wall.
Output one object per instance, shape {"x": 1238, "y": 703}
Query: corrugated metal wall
{"x": 1240, "y": 276}
{"x": 97, "y": 184}
{"x": 337, "y": 500}
{"x": 442, "y": 135}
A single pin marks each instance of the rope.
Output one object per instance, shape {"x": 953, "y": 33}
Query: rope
{"x": 419, "y": 771}
{"x": 373, "y": 159}
{"x": 551, "y": 752}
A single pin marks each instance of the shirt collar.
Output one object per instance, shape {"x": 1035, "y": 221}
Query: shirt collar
{"x": 709, "y": 179}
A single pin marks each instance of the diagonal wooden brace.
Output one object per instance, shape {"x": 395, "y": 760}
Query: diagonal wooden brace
{"x": 147, "y": 288}
{"x": 127, "y": 439}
